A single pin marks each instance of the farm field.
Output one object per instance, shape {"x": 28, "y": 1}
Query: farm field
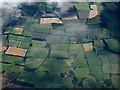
{"x": 76, "y": 49}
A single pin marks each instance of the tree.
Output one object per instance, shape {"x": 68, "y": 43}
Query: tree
{"x": 74, "y": 81}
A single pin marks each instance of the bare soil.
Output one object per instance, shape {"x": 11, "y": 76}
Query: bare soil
{"x": 50, "y": 20}
{"x": 83, "y": 14}
{"x": 87, "y": 47}
{"x": 93, "y": 12}
{"x": 16, "y": 51}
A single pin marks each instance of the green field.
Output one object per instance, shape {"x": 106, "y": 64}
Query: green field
{"x": 12, "y": 59}
{"x": 82, "y": 6}
{"x": 12, "y": 68}
{"x": 113, "y": 47}
{"x": 77, "y": 53}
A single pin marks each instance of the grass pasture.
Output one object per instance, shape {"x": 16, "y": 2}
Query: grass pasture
{"x": 12, "y": 68}
{"x": 92, "y": 59}
{"x": 49, "y": 80}
{"x": 90, "y": 82}
{"x": 67, "y": 81}
{"x": 33, "y": 63}
{"x": 53, "y": 49}
{"x": 20, "y": 38}
{"x": 73, "y": 40}
{"x": 14, "y": 43}
{"x": 12, "y": 59}
{"x": 17, "y": 30}
{"x": 106, "y": 33}
{"x": 24, "y": 45}
{"x": 53, "y": 39}
{"x": 50, "y": 8}
{"x": 55, "y": 66}
{"x": 76, "y": 47}
{"x": 41, "y": 44}
{"x": 19, "y": 41}
{"x": 59, "y": 47}
{"x": 35, "y": 52}
{"x": 100, "y": 6}
{"x": 42, "y": 27}
{"x": 27, "y": 33}
{"x": 24, "y": 76}
{"x": 73, "y": 22}
{"x": 113, "y": 47}
{"x": 79, "y": 60}
{"x": 39, "y": 36}
{"x": 106, "y": 68}
{"x": 59, "y": 54}
{"x": 36, "y": 77}
{"x": 64, "y": 40}
{"x": 110, "y": 62}
{"x": 4, "y": 40}
{"x": 97, "y": 72}
{"x": 115, "y": 81}
{"x": 81, "y": 72}
{"x": 12, "y": 37}
{"x": 99, "y": 45}
{"x": 82, "y": 6}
